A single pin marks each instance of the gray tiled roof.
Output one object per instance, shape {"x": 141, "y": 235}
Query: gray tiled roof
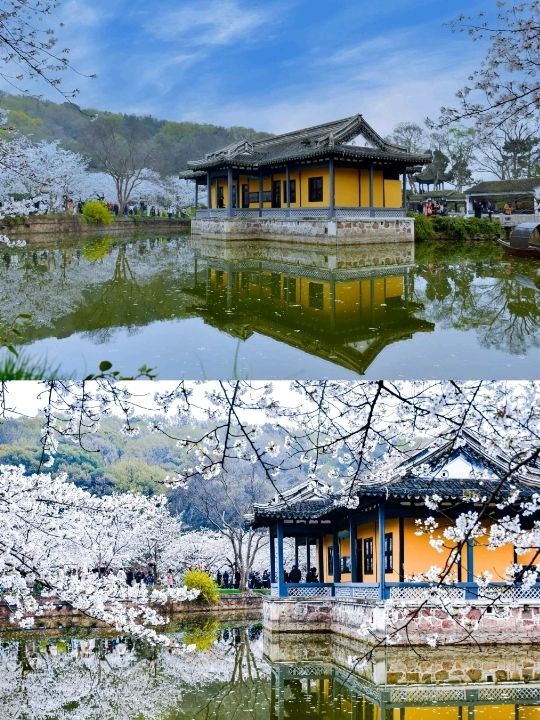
{"x": 314, "y": 500}
{"x": 309, "y": 143}
{"x": 527, "y": 185}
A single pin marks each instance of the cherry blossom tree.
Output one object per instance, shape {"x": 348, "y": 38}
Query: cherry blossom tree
{"x": 506, "y": 85}
{"x": 74, "y": 546}
{"x": 339, "y": 435}
{"x": 29, "y": 46}
{"x": 43, "y": 170}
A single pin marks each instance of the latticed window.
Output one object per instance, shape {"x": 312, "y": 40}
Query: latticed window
{"x": 389, "y": 552}
{"x": 315, "y": 189}
{"x": 368, "y": 556}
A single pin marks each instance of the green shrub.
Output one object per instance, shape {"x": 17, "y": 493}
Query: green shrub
{"x": 96, "y": 211}
{"x": 449, "y": 227}
{"x": 200, "y": 580}
{"x": 423, "y": 229}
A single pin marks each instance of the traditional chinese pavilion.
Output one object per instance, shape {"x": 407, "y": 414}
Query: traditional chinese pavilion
{"x": 364, "y": 541}
{"x": 341, "y": 170}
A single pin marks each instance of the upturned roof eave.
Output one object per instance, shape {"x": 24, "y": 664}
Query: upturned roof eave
{"x": 364, "y": 153}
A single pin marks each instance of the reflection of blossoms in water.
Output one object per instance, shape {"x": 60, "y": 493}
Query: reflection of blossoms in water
{"x": 4, "y": 240}
{"x": 95, "y": 678}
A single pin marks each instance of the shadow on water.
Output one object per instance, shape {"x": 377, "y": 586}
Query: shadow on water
{"x": 236, "y": 670}
{"x": 199, "y": 307}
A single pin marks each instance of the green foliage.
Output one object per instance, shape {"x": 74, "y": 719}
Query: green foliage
{"x": 423, "y": 229}
{"x": 449, "y": 227}
{"x": 96, "y": 211}
{"x": 459, "y": 228}
{"x": 135, "y": 475}
{"x": 167, "y": 145}
{"x": 201, "y": 580}
{"x": 17, "y": 367}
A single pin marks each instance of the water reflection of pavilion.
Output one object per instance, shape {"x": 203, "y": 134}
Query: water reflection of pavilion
{"x": 324, "y": 682}
{"x": 344, "y": 304}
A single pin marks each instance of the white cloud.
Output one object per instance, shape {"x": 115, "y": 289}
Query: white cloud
{"x": 209, "y": 23}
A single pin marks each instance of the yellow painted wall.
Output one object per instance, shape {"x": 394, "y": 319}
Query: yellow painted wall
{"x": 393, "y": 194}
{"x": 420, "y": 555}
{"x": 386, "y": 193}
{"x": 346, "y": 180}
{"x": 427, "y": 713}
{"x": 498, "y": 712}
{"x": 529, "y": 713}
{"x": 364, "y": 531}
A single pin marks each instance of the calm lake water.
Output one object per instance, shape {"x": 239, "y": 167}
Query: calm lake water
{"x": 238, "y": 672}
{"x": 201, "y": 308}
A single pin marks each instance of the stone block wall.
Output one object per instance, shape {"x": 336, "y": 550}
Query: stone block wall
{"x": 473, "y": 622}
{"x": 363, "y": 230}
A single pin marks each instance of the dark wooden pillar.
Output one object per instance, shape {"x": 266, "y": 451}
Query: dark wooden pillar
{"x": 260, "y": 193}
{"x": 308, "y": 555}
{"x": 320, "y": 551}
{"x": 296, "y": 551}
{"x": 281, "y": 571}
{"x": 209, "y": 190}
{"x": 354, "y": 558}
{"x": 404, "y": 200}
{"x": 381, "y": 523}
{"x": 371, "y": 187}
{"x": 470, "y": 568}
{"x": 337, "y": 561}
{"x": 287, "y": 188}
{"x": 196, "y": 194}
{"x": 229, "y": 193}
{"x": 332, "y": 189}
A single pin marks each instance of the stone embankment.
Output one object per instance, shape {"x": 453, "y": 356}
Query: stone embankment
{"x": 474, "y": 622}
{"x": 239, "y": 607}
{"x": 355, "y": 231}
{"x": 63, "y": 224}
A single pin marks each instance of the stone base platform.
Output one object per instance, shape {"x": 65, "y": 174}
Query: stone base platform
{"x": 367, "y": 230}
{"x": 474, "y": 622}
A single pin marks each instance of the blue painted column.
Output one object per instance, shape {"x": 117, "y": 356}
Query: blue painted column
{"x": 354, "y": 559}
{"x": 272, "y": 557}
{"x": 382, "y": 578}
{"x": 281, "y": 573}
{"x": 337, "y": 567}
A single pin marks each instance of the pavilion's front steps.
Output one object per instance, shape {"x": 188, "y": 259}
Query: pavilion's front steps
{"x": 368, "y": 230}
{"x": 404, "y": 624}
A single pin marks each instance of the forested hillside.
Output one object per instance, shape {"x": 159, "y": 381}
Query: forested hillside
{"x": 168, "y": 145}
{"x": 114, "y": 462}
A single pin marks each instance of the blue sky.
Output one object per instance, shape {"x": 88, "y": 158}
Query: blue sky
{"x": 274, "y": 65}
